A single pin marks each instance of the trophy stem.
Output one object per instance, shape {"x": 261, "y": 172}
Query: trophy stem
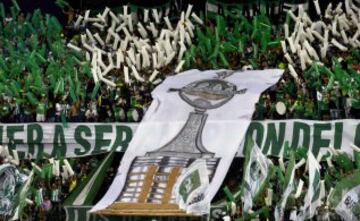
{"x": 188, "y": 142}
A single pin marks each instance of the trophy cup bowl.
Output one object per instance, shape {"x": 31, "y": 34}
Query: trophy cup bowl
{"x": 207, "y": 94}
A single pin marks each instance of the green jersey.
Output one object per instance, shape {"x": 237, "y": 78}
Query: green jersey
{"x": 41, "y": 108}
{"x": 355, "y": 103}
{"x": 309, "y": 109}
{"x": 323, "y": 105}
{"x": 298, "y": 109}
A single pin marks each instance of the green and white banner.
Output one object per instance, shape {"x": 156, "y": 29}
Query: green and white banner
{"x": 83, "y": 139}
{"x": 271, "y": 136}
{"x": 76, "y": 140}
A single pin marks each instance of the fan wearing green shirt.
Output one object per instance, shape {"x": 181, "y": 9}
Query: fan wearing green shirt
{"x": 41, "y": 110}
{"x": 323, "y": 107}
{"x": 260, "y": 109}
{"x": 309, "y": 109}
{"x": 355, "y": 106}
{"x": 298, "y": 109}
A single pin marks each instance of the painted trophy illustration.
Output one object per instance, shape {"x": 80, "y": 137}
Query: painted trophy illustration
{"x": 151, "y": 178}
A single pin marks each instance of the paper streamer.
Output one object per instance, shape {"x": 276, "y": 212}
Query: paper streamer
{"x": 136, "y": 74}
{"x": 75, "y": 48}
{"x": 68, "y": 167}
{"x": 153, "y": 75}
{"x": 197, "y": 19}
{"x": 126, "y": 75}
{"x": 299, "y": 189}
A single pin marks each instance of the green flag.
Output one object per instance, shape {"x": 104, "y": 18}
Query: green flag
{"x": 289, "y": 188}
{"x": 46, "y": 172}
{"x": 85, "y": 192}
{"x": 39, "y": 197}
{"x": 61, "y": 3}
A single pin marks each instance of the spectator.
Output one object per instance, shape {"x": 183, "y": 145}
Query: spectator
{"x": 74, "y": 112}
{"x": 91, "y": 113}
{"x": 46, "y": 204}
{"x": 41, "y": 110}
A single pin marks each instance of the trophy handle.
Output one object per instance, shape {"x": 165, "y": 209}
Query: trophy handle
{"x": 241, "y": 91}
{"x": 174, "y": 89}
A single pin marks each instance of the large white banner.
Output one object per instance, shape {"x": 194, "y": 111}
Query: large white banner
{"x": 194, "y": 115}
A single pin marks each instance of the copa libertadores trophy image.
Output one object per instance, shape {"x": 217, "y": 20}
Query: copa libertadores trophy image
{"x": 176, "y": 176}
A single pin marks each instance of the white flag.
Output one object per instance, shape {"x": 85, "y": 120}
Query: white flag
{"x": 190, "y": 189}
{"x": 312, "y": 197}
{"x": 346, "y": 197}
{"x": 255, "y": 174}
{"x": 349, "y": 206}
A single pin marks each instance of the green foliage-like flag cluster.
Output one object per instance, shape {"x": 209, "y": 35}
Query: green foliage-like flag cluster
{"x": 35, "y": 62}
{"x": 233, "y": 43}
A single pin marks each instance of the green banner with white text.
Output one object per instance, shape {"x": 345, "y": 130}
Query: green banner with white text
{"x": 37, "y": 140}
{"x": 271, "y": 135}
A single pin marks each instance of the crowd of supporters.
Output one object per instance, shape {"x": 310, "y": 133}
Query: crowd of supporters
{"x": 33, "y": 50}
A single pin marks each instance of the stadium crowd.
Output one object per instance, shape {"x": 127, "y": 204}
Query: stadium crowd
{"x": 41, "y": 80}
{"x": 48, "y": 192}
{"x": 61, "y": 88}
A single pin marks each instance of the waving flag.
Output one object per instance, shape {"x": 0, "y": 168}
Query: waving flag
{"x": 289, "y": 184}
{"x": 257, "y": 170}
{"x": 346, "y": 197}
{"x": 312, "y": 197}
{"x": 191, "y": 188}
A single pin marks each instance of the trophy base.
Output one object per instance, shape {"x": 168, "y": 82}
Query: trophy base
{"x": 144, "y": 209}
